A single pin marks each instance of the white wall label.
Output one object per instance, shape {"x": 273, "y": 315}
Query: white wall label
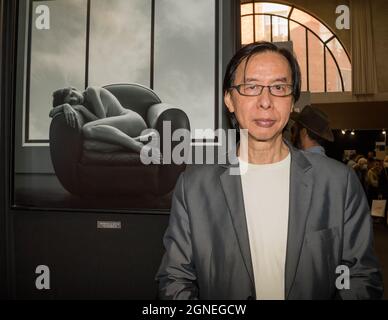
{"x": 108, "y": 224}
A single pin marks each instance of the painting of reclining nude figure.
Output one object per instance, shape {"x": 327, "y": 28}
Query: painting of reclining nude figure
{"x": 94, "y": 92}
{"x": 106, "y": 148}
{"x": 100, "y": 148}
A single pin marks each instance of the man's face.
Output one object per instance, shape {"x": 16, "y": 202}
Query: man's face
{"x": 264, "y": 116}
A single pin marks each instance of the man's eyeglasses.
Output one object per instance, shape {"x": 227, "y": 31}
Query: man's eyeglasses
{"x": 277, "y": 90}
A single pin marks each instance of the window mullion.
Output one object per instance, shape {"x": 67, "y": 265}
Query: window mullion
{"x": 87, "y": 44}
{"x": 254, "y": 21}
{"x": 307, "y": 60}
{"x": 324, "y": 67}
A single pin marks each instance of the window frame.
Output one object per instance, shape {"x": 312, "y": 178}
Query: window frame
{"x": 26, "y": 141}
{"x": 307, "y": 30}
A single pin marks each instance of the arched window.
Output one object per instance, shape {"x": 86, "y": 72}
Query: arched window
{"x": 324, "y": 62}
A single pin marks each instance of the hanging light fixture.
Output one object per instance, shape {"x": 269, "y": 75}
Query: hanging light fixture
{"x": 352, "y": 133}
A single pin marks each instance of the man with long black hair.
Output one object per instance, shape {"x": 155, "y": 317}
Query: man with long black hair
{"x": 295, "y": 225}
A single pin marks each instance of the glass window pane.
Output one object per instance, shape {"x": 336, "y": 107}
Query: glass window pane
{"x": 310, "y": 22}
{"x": 315, "y": 52}
{"x": 279, "y": 29}
{"x": 273, "y": 8}
{"x": 343, "y": 61}
{"x": 185, "y": 75}
{"x": 246, "y": 29}
{"x": 347, "y": 77}
{"x": 54, "y": 64}
{"x": 300, "y": 21}
{"x": 298, "y": 38}
{"x": 120, "y": 50}
{"x": 246, "y": 8}
{"x": 263, "y": 28}
{"x": 333, "y": 80}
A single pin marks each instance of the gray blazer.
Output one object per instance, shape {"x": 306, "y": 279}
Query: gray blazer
{"x": 207, "y": 244}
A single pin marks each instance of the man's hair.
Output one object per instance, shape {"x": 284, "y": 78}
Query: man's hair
{"x": 249, "y": 50}
{"x": 246, "y": 52}
{"x": 60, "y": 95}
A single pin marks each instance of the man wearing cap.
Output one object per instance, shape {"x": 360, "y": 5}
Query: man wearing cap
{"x": 311, "y": 130}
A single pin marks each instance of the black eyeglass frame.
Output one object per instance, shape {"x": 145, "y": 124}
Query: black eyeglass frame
{"x": 237, "y": 87}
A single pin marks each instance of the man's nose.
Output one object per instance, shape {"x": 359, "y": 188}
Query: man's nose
{"x": 264, "y": 99}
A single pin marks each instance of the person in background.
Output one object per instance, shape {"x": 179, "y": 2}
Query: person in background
{"x": 383, "y": 179}
{"x": 371, "y": 159}
{"x": 372, "y": 182}
{"x": 361, "y": 169}
{"x": 311, "y": 130}
{"x": 358, "y": 157}
{"x": 352, "y": 160}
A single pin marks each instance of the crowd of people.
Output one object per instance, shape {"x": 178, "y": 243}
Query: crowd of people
{"x": 373, "y": 174}
{"x": 311, "y": 131}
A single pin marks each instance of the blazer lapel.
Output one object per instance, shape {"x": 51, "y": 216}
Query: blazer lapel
{"x": 231, "y": 185}
{"x": 300, "y": 198}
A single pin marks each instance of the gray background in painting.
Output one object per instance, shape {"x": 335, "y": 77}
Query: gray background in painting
{"x": 185, "y": 57}
{"x": 119, "y": 52}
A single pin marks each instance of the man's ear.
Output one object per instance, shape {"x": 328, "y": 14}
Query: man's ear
{"x": 228, "y": 101}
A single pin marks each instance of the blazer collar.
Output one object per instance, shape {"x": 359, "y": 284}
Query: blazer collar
{"x": 296, "y": 156}
{"x": 299, "y": 203}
